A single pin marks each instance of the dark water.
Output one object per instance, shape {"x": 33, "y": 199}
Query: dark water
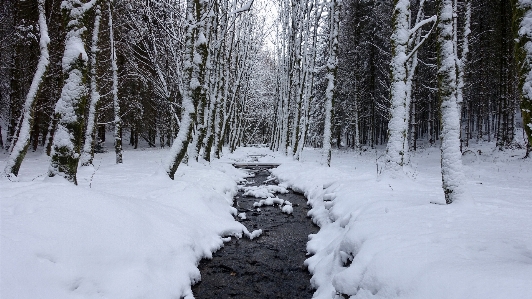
{"x": 270, "y": 266}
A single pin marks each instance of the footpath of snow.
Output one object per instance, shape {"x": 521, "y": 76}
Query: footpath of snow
{"x": 127, "y": 231}
{"x": 388, "y": 239}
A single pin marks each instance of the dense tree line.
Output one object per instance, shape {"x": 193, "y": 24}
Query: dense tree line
{"x": 490, "y": 94}
{"x": 168, "y": 72}
{"x": 491, "y": 98}
{"x": 406, "y": 72}
{"x": 196, "y": 75}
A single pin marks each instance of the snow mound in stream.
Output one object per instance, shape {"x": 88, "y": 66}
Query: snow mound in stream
{"x": 263, "y": 191}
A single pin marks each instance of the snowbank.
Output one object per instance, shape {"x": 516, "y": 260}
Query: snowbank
{"x": 392, "y": 238}
{"x": 127, "y": 231}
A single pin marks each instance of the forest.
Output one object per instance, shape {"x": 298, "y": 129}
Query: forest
{"x": 186, "y": 87}
{"x": 341, "y": 74}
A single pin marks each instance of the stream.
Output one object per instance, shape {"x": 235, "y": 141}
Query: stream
{"x": 270, "y": 266}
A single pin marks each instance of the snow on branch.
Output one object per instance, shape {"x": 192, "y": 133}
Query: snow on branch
{"x": 244, "y": 8}
{"x": 434, "y": 19}
{"x": 422, "y": 23}
{"x": 77, "y": 8}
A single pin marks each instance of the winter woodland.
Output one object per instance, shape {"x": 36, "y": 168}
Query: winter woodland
{"x": 137, "y": 109}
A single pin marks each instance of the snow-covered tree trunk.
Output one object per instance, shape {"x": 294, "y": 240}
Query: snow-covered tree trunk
{"x": 228, "y": 59}
{"x": 19, "y": 149}
{"x": 299, "y": 71}
{"x": 280, "y": 36}
{"x": 523, "y": 28}
{"x": 204, "y": 105}
{"x": 222, "y": 91}
{"x": 310, "y": 64}
{"x": 287, "y": 38}
{"x": 405, "y": 42}
{"x": 196, "y": 51}
{"x": 356, "y": 117}
{"x": 114, "y": 90}
{"x": 410, "y": 106}
{"x": 398, "y": 125}
{"x": 70, "y": 108}
{"x": 451, "y": 157}
{"x": 87, "y": 154}
{"x": 215, "y": 49}
{"x": 306, "y": 79}
{"x": 461, "y": 62}
{"x": 332, "y": 70}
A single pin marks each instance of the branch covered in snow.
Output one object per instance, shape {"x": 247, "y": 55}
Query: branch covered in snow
{"x": 244, "y": 8}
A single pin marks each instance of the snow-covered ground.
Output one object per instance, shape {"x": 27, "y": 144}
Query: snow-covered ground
{"x": 127, "y": 231}
{"x": 391, "y": 238}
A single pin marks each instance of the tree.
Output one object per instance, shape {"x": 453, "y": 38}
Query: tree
{"x": 332, "y": 70}
{"x": 90, "y": 131}
{"x": 70, "y": 108}
{"x": 20, "y": 145}
{"x": 523, "y": 31}
{"x": 195, "y": 66}
{"x": 451, "y": 157}
{"x": 116, "y": 104}
{"x": 405, "y": 43}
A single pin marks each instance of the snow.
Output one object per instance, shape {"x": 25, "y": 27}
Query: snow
{"x": 270, "y": 201}
{"x": 254, "y": 234}
{"x": 288, "y": 209}
{"x": 127, "y": 231}
{"x": 202, "y": 40}
{"x": 263, "y": 191}
{"x": 194, "y": 83}
{"x": 394, "y": 238}
{"x": 74, "y": 49}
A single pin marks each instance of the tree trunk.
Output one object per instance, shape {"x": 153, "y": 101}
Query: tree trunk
{"x": 87, "y": 154}
{"x": 398, "y": 125}
{"x": 332, "y": 70}
{"x": 196, "y": 57}
{"x": 451, "y": 158}
{"x": 114, "y": 90}
{"x": 69, "y": 110}
{"x": 523, "y": 31}
{"x": 20, "y": 148}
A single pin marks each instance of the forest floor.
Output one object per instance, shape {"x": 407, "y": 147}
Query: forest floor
{"x": 127, "y": 231}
